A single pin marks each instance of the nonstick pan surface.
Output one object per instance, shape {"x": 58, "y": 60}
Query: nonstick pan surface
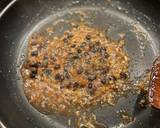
{"x": 138, "y": 19}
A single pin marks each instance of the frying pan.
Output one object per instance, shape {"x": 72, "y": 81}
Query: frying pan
{"x": 138, "y": 19}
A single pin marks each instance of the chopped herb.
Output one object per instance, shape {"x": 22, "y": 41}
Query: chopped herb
{"x": 47, "y": 72}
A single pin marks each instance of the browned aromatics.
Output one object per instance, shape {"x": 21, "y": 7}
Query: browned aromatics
{"x": 75, "y": 71}
{"x": 154, "y": 86}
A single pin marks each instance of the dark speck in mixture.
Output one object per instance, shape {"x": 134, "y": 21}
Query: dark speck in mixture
{"x": 34, "y": 64}
{"x": 59, "y": 77}
{"x": 75, "y": 25}
{"x": 112, "y": 78}
{"x": 65, "y": 40}
{"x": 79, "y": 50}
{"x": 104, "y": 54}
{"x": 88, "y": 37}
{"x": 33, "y": 73}
{"x": 91, "y": 90}
{"x": 34, "y": 53}
{"x": 123, "y": 75}
{"x": 73, "y": 45}
{"x": 57, "y": 66}
{"x": 75, "y": 85}
{"x": 104, "y": 80}
{"x": 90, "y": 85}
{"x": 83, "y": 44}
{"x": 66, "y": 74}
{"x": 80, "y": 70}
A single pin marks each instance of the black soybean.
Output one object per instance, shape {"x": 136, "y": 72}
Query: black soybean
{"x": 59, "y": 77}
{"x": 34, "y": 53}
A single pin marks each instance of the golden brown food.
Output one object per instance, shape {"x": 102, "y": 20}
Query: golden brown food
{"x": 75, "y": 71}
{"x": 154, "y": 86}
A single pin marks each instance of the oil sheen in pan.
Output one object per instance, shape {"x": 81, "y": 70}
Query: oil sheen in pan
{"x": 139, "y": 46}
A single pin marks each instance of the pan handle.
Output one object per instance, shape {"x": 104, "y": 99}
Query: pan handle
{"x": 2, "y": 125}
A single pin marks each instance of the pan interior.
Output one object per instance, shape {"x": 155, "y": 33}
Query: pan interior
{"x": 139, "y": 45}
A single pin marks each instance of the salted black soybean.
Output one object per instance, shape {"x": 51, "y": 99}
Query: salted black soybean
{"x": 73, "y": 45}
{"x": 33, "y": 73}
{"x": 75, "y": 56}
{"x": 34, "y": 64}
{"x": 91, "y": 89}
{"x": 88, "y": 37}
{"x": 79, "y": 50}
{"x": 34, "y": 53}
{"x": 76, "y": 66}
{"x": 90, "y": 85}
